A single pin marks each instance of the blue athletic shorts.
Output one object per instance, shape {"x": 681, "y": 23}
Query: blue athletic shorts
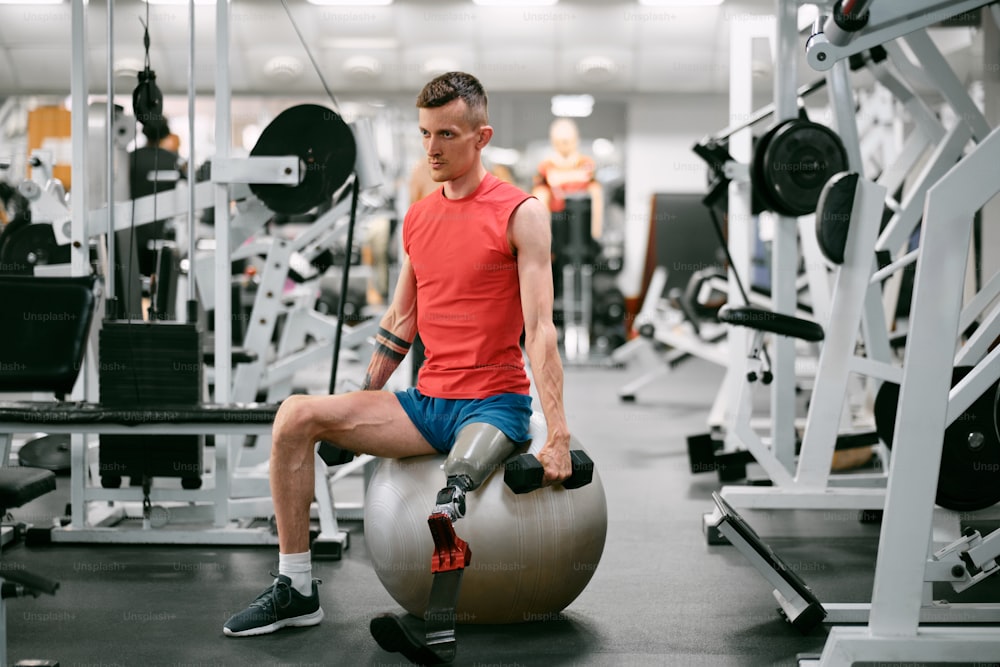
{"x": 440, "y": 419}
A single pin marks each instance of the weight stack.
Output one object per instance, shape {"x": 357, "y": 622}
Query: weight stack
{"x": 150, "y": 366}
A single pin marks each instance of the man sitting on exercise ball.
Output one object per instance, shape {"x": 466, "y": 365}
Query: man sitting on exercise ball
{"x": 476, "y": 272}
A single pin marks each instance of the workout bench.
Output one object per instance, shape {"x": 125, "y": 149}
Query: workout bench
{"x": 47, "y": 321}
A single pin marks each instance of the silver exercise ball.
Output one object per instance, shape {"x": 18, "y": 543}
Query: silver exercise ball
{"x": 532, "y": 554}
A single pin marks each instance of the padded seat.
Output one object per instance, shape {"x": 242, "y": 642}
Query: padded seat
{"x": 760, "y": 319}
{"x": 43, "y": 413}
{"x": 48, "y": 322}
{"x": 21, "y": 485}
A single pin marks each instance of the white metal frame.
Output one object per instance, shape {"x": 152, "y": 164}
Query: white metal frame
{"x": 777, "y": 455}
{"x": 808, "y": 488}
{"x": 227, "y": 508}
{"x": 894, "y": 627}
{"x": 809, "y": 484}
{"x": 889, "y": 19}
{"x": 901, "y": 601}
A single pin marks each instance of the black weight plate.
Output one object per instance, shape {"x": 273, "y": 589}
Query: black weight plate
{"x": 758, "y": 179}
{"x": 30, "y": 246}
{"x": 8, "y": 231}
{"x": 833, "y": 215}
{"x": 969, "y": 477}
{"x": 886, "y": 402}
{"x": 325, "y": 146}
{"x": 50, "y": 452}
{"x": 970, "y": 461}
{"x": 798, "y": 161}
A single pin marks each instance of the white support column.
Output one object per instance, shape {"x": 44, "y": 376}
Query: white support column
{"x": 845, "y": 120}
{"x": 923, "y": 405}
{"x": 80, "y": 250}
{"x": 740, "y": 227}
{"x": 832, "y": 378}
{"x": 223, "y": 303}
{"x": 109, "y": 165}
{"x": 192, "y": 229}
{"x": 784, "y": 253}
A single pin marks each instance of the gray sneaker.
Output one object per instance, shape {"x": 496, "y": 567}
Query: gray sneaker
{"x": 278, "y": 606}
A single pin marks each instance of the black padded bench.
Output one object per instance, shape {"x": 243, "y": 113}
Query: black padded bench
{"x": 47, "y": 322}
{"x": 761, "y": 319}
{"x": 82, "y": 417}
{"x": 22, "y": 485}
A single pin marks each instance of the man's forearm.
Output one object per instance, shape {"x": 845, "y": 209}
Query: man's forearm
{"x": 390, "y": 350}
{"x": 547, "y": 372}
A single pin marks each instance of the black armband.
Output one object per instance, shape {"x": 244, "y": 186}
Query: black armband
{"x": 390, "y": 345}
{"x": 394, "y": 339}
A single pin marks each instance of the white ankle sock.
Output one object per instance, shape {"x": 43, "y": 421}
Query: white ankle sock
{"x": 298, "y": 568}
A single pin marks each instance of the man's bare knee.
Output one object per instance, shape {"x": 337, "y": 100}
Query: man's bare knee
{"x": 294, "y": 421}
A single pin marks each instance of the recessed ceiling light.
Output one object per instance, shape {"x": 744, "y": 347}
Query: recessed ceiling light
{"x": 348, "y": 3}
{"x": 283, "y": 67}
{"x": 572, "y": 106}
{"x": 680, "y": 3}
{"x": 435, "y": 66}
{"x": 178, "y": 2}
{"x": 362, "y": 67}
{"x": 515, "y": 3}
{"x": 370, "y": 43}
{"x": 597, "y": 68}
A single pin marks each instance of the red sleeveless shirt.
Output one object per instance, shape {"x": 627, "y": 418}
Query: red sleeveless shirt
{"x": 468, "y": 293}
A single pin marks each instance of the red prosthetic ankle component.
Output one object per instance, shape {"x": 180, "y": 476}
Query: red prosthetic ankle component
{"x": 450, "y": 551}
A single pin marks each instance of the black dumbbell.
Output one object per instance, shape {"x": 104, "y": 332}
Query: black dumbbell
{"x": 524, "y": 473}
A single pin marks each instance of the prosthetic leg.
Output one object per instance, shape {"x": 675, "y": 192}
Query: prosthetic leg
{"x": 479, "y": 450}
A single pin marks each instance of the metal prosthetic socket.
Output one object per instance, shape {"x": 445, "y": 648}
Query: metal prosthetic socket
{"x": 479, "y": 450}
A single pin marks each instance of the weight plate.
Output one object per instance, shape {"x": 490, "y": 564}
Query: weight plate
{"x": 833, "y": 215}
{"x": 50, "y": 452}
{"x": 886, "y": 402}
{"x": 797, "y": 162}
{"x": 970, "y": 462}
{"x": 22, "y": 249}
{"x": 758, "y": 167}
{"x": 969, "y": 477}
{"x": 326, "y": 150}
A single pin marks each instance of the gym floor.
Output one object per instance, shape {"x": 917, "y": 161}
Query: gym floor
{"x": 661, "y": 595}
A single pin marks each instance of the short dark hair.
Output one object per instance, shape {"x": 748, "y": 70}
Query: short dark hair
{"x": 449, "y": 86}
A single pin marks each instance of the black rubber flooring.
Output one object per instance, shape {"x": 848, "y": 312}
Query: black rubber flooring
{"x": 661, "y": 595}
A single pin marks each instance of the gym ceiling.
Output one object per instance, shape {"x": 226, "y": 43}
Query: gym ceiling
{"x": 612, "y": 48}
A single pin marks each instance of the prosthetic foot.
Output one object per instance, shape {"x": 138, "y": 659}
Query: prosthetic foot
{"x": 479, "y": 450}
{"x": 436, "y": 644}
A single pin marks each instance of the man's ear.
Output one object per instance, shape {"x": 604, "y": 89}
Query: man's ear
{"x": 485, "y": 134}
